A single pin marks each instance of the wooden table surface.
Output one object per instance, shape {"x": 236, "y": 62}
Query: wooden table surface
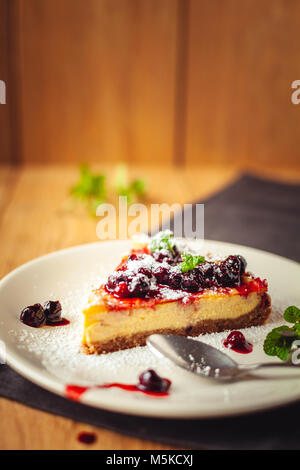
{"x": 34, "y": 221}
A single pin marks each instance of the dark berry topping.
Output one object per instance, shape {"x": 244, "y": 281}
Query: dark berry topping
{"x": 243, "y": 264}
{"x": 161, "y": 256}
{"x": 33, "y": 315}
{"x": 236, "y": 263}
{"x": 189, "y": 282}
{"x": 206, "y": 270}
{"x": 235, "y": 338}
{"x": 122, "y": 267}
{"x": 152, "y": 382}
{"x": 161, "y": 274}
{"x": 170, "y": 257}
{"x": 132, "y": 257}
{"x": 225, "y": 276}
{"x": 52, "y": 309}
{"x": 154, "y": 291}
{"x": 228, "y": 273}
{"x": 175, "y": 279}
{"x": 114, "y": 279}
{"x": 237, "y": 342}
{"x": 142, "y": 277}
{"x": 121, "y": 290}
{"x": 146, "y": 271}
{"x": 139, "y": 285}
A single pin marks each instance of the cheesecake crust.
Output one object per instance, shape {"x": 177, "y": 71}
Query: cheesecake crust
{"x": 258, "y": 316}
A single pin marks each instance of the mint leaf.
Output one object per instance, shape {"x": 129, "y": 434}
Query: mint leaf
{"x": 273, "y": 340}
{"x": 283, "y": 351}
{"x": 131, "y": 190}
{"x": 296, "y": 328}
{"x": 292, "y": 314}
{"x": 138, "y": 186}
{"x": 189, "y": 262}
{"x": 122, "y": 180}
{"x": 163, "y": 241}
{"x": 89, "y": 186}
{"x": 279, "y": 341}
{"x": 90, "y": 189}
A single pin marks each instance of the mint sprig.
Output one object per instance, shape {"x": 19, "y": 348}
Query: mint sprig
{"x": 292, "y": 314}
{"x": 132, "y": 190}
{"x": 163, "y": 241}
{"x": 189, "y": 262}
{"x": 279, "y": 341}
{"x": 91, "y": 188}
{"x": 90, "y": 185}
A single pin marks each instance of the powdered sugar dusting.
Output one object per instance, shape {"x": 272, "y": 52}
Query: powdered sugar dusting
{"x": 172, "y": 294}
{"x": 142, "y": 269}
{"x": 59, "y": 348}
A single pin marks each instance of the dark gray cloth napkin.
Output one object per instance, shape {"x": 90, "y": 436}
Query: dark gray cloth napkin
{"x": 255, "y": 212}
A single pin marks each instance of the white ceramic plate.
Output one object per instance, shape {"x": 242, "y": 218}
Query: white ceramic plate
{"x": 50, "y": 357}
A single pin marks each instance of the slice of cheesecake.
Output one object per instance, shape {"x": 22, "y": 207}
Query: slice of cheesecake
{"x": 159, "y": 289}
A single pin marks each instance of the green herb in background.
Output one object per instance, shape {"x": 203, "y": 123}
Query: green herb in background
{"x": 91, "y": 187}
{"x": 279, "y": 341}
{"x": 189, "y": 262}
{"x": 163, "y": 241}
{"x": 133, "y": 190}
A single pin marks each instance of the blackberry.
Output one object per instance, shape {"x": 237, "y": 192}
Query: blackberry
{"x": 189, "y": 282}
{"x": 139, "y": 286}
{"x": 152, "y": 382}
{"x": 121, "y": 290}
{"x": 52, "y": 309}
{"x": 225, "y": 276}
{"x": 33, "y": 315}
{"x": 161, "y": 274}
{"x": 146, "y": 271}
{"x": 174, "y": 280}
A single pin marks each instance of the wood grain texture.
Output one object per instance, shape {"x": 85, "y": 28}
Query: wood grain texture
{"x": 56, "y": 433}
{"x": 97, "y": 80}
{"x": 155, "y": 81}
{"x": 34, "y": 221}
{"x": 5, "y": 128}
{"x": 242, "y": 59}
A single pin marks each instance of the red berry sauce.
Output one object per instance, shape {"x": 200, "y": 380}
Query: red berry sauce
{"x": 150, "y": 383}
{"x": 144, "y": 279}
{"x": 135, "y": 388}
{"x": 74, "y": 392}
{"x": 87, "y": 437}
{"x": 237, "y": 342}
{"x": 61, "y": 322}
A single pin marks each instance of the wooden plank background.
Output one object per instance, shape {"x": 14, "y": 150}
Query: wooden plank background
{"x": 97, "y": 79}
{"x": 149, "y": 81}
{"x": 243, "y": 57}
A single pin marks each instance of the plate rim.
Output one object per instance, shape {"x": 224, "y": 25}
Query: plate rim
{"x": 52, "y": 384}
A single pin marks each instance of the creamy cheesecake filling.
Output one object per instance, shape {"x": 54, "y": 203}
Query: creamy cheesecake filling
{"x": 160, "y": 288}
{"x": 102, "y": 326}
